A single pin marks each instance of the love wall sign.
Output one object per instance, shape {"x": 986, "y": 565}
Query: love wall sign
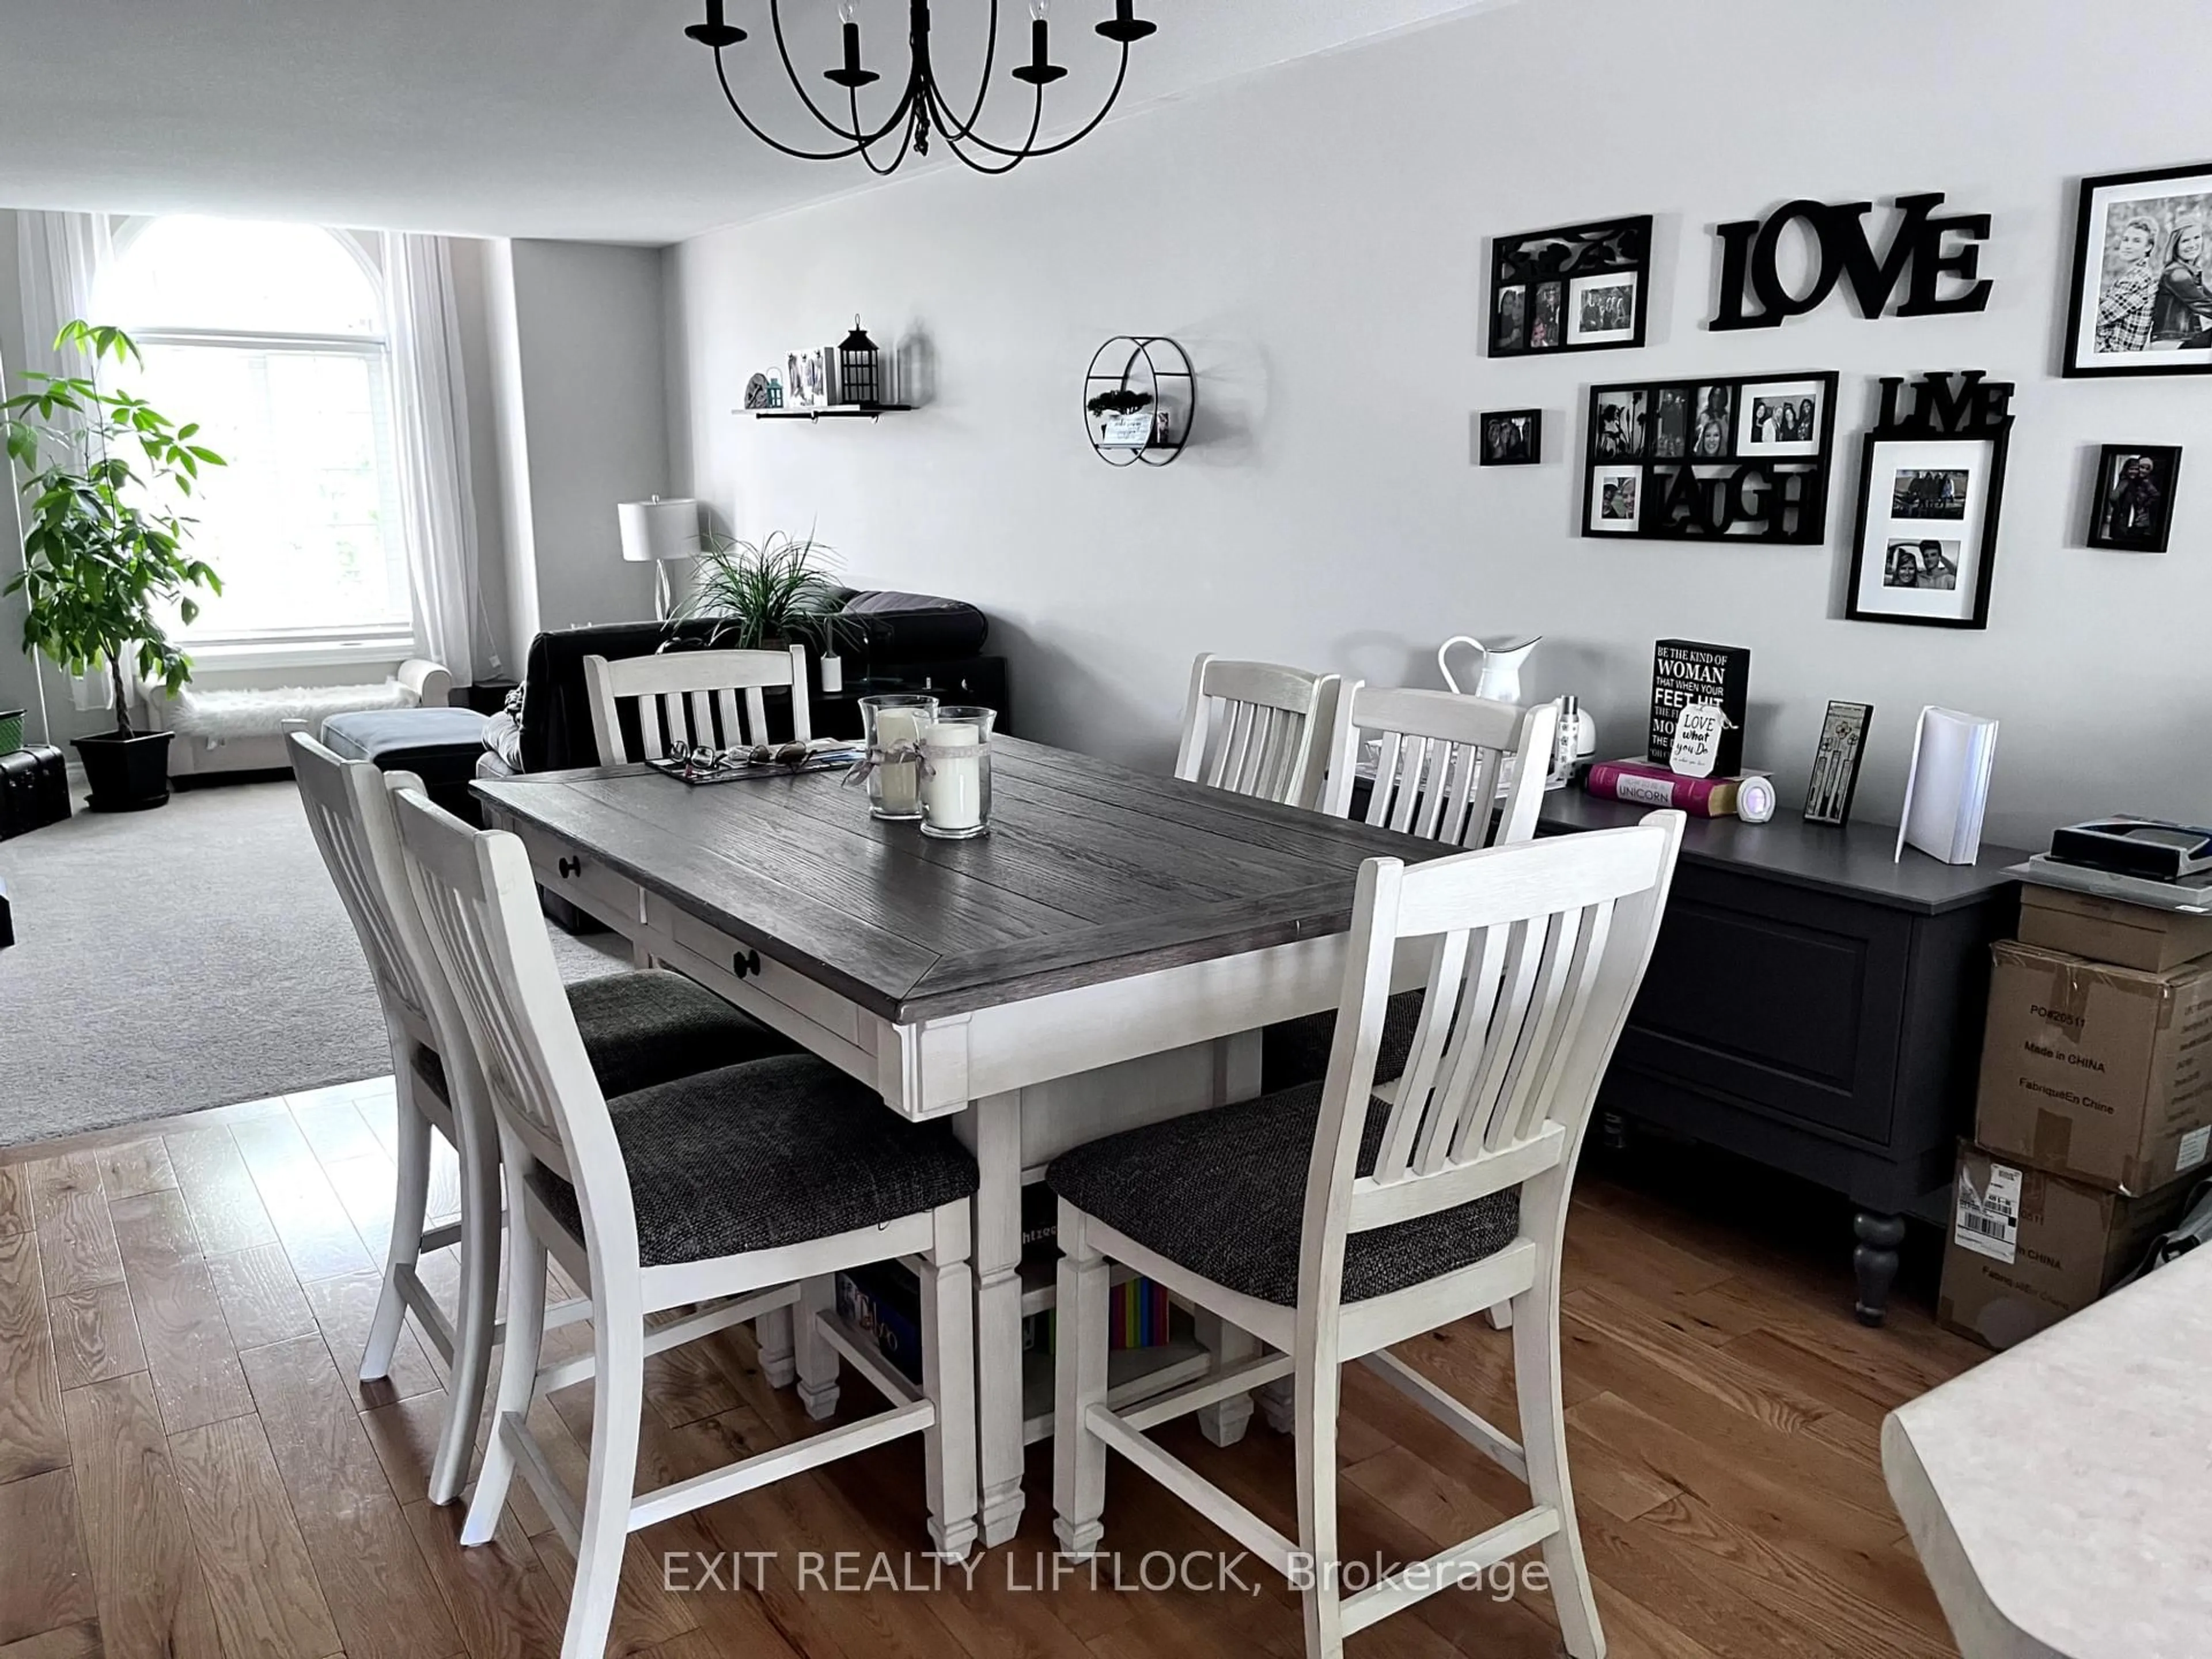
{"x": 1750, "y": 262}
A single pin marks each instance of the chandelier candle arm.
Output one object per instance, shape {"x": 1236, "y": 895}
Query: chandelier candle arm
{"x": 922, "y": 102}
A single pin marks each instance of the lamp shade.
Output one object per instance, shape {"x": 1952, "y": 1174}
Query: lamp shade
{"x": 658, "y": 529}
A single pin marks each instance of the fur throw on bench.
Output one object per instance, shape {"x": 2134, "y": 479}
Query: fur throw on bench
{"x": 232, "y": 716}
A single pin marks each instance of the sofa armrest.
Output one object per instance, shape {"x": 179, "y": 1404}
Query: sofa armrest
{"x": 431, "y": 682}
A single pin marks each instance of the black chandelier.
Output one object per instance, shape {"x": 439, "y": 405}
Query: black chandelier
{"x": 923, "y": 109}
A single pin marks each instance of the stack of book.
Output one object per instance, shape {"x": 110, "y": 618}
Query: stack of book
{"x": 1648, "y": 785}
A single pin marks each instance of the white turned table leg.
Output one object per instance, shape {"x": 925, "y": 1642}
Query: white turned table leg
{"x": 997, "y": 1142}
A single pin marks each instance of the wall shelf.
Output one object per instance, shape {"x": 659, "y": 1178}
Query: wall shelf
{"x": 833, "y": 412}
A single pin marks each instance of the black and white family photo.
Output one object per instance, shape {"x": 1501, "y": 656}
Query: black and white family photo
{"x": 1927, "y": 492}
{"x": 1544, "y": 327}
{"x": 1578, "y": 287}
{"x": 1603, "y": 310}
{"x": 1670, "y": 424}
{"x": 1512, "y": 437}
{"x": 1617, "y": 502}
{"x": 1617, "y": 429}
{"x": 1512, "y": 308}
{"x": 1781, "y": 420}
{"x": 2142, "y": 280}
{"x": 2134, "y": 505}
{"x": 1709, "y": 434}
{"x": 1922, "y": 564}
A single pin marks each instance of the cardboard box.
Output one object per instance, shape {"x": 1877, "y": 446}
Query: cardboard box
{"x": 2112, "y": 929}
{"x": 2026, "y": 1249}
{"x": 2096, "y": 1073}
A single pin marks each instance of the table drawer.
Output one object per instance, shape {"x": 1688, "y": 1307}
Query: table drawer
{"x": 824, "y": 1008}
{"x": 584, "y": 882}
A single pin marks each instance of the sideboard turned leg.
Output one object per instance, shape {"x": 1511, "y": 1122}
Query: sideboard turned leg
{"x": 1875, "y": 1262}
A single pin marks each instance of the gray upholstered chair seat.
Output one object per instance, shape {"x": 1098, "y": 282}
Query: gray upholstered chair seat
{"x": 768, "y": 1154}
{"x": 1296, "y": 1050}
{"x": 648, "y": 1027}
{"x": 1223, "y": 1193}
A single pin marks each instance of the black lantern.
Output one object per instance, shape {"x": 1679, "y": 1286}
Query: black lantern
{"x": 860, "y": 370}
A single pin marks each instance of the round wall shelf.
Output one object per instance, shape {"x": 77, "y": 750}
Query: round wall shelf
{"x": 1139, "y": 396}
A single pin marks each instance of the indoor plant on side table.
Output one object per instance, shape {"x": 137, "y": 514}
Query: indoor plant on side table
{"x": 777, "y": 593}
{"x": 103, "y": 548}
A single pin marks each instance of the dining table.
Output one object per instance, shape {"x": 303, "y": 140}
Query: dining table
{"x": 1105, "y": 957}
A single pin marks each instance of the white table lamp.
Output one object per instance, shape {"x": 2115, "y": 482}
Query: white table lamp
{"x": 656, "y": 532}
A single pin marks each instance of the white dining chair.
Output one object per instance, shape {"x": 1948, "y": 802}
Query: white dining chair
{"x": 639, "y": 1028}
{"x": 1331, "y": 1224}
{"x": 694, "y": 698}
{"x": 1257, "y": 728}
{"x": 719, "y": 1192}
{"x": 1448, "y": 767}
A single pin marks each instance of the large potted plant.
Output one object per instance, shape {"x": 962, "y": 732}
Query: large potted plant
{"x": 779, "y": 591}
{"x": 104, "y": 559}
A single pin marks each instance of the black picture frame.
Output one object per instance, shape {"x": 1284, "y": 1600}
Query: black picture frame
{"x": 1680, "y": 459}
{"x": 1546, "y": 287}
{"x": 2111, "y": 519}
{"x": 1873, "y": 469}
{"x": 1834, "y": 781}
{"x": 1497, "y": 445}
{"x": 2105, "y": 206}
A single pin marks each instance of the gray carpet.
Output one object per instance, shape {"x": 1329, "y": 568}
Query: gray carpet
{"x": 189, "y": 957}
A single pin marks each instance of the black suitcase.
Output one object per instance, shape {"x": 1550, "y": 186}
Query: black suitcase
{"x": 34, "y": 790}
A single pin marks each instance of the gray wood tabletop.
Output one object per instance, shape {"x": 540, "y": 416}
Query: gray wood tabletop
{"x": 1093, "y": 872}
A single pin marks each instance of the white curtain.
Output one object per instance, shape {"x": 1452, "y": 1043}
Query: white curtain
{"x": 437, "y": 495}
{"x": 59, "y": 258}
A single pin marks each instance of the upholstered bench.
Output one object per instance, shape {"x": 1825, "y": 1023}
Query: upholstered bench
{"x": 438, "y": 745}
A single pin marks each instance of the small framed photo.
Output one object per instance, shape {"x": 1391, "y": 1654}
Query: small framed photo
{"x": 1711, "y": 430}
{"x": 1670, "y": 423}
{"x": 1926, "y": 545}
{"x": 1784, "y": 418}
{"x": 1575, "y": 288}
{"x": 1513, "y": 437}
{"x": 1836, "y": 763}
{"x": 2132, "y": 510}
{"x": 2141, "y": 301}
{"x": 1508, "y": 326}
{"x": 1616, "y": 499}
{"x": 1544, "y": 322}
{"x": 1601, "y": 310}
{"x": 1617, "y": 425}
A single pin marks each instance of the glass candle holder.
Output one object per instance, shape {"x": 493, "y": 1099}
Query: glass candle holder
{"x": 894, "y": 725}
{"x": 955, "y": 780}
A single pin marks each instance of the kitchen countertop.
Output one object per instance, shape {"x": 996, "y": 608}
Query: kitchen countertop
{"x": 2060, "y": 1494}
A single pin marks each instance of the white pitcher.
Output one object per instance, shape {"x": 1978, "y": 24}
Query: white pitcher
{"x": 1500, "y": 677}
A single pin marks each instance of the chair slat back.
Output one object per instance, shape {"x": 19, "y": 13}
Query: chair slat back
{"x": 345, "y": 804}
{"x": 478, "y": 902}
{"x": 1257, "y": 728}
{"x": 1535, "y": 953}
{"x": 693, "y": 697}
{"x": 1443, "y": 762}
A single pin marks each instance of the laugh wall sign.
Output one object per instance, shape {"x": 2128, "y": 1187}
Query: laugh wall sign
{"x": 1750, "y": 262}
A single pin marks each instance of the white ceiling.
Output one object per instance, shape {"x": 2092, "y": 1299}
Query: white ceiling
{"x": 586, "y": 118}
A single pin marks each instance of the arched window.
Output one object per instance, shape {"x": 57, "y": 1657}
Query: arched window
{"x": 272, "y": 337}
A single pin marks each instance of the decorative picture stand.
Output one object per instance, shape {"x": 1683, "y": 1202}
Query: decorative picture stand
{"x": 1580, "y": 288}
{"x": 1929, "y": 487}
{"x": 1739, "y": 459}
{"x": 1835, "y": 778}
{"x": 2131, "y": 509}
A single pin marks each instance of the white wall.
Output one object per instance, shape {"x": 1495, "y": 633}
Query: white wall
{"x": 1317, "y": 236}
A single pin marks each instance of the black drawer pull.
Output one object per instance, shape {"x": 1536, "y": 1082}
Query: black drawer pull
{"x": 745, "y": 962}
{"x": 572, "y": 867}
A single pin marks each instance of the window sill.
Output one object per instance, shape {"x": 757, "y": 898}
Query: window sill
{"x": 381, "y": 653}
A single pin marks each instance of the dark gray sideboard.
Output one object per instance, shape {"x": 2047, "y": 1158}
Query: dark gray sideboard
{"x": 1816, "y": 1007}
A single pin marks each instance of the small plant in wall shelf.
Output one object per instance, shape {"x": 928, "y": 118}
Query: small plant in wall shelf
{"x": 105, "y": 565}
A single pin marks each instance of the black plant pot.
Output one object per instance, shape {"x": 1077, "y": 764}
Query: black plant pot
{"x": 127, "y": 775}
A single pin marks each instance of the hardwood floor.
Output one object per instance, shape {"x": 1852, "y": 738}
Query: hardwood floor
{"x": 189, "y": 1468}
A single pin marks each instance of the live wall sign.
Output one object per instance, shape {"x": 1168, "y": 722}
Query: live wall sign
{"x": 1750, "y": 265}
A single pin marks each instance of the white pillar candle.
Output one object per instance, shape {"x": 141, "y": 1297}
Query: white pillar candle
{"x": 897, "y": 785}
{"x": 952, "y": 793}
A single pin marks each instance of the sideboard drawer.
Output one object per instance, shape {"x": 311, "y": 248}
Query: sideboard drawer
{"x": 1787, "y": 1001}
